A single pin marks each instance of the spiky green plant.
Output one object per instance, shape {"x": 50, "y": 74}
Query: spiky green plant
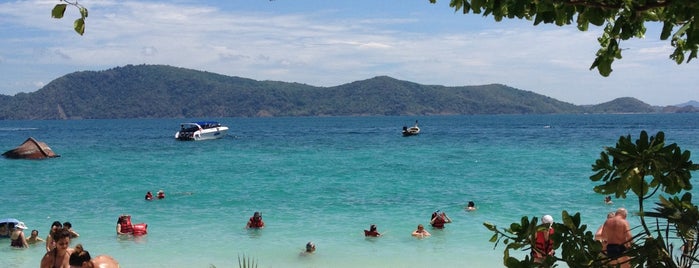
{"x": 246, "y": 262}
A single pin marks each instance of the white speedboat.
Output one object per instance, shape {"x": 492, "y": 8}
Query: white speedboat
{"x": 198, "y": 131}
{"x": 410, "y": 131}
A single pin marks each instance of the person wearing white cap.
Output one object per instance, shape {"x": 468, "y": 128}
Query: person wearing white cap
{"x": 17, "y": 238}
{"x": 544, "y": 242}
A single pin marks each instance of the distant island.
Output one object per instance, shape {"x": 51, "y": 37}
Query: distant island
{"x": 160, "y": 91}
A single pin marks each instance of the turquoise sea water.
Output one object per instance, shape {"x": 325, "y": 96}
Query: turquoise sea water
{"x": 314, "y": 179}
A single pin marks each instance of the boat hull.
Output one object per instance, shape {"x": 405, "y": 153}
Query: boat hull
{"x": 203, "y": 134}
{"x": 31, "y": 149}
{"x": 412, "y": 131}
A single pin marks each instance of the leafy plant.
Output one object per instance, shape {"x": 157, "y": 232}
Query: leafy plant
{"x": 246, "y": 262}
{"x": 622, "y": 20}
{"x": 644, "y": 167}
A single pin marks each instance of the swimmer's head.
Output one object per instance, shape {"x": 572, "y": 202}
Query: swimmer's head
{"x": 547, "y": 219}
{"x": 310, "y": 247}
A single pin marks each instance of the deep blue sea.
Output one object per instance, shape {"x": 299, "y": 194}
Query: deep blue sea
{"x": 320, "y": 179}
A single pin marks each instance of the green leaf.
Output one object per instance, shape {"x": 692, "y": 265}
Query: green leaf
{"x": 603, "y": 65}
{"x": 79, "y": 26}
{"x": 83, "y": 12}
{"x": 490, "y": 226}
{"x": 477, "y": 5}
{"x": 58, "y": 11}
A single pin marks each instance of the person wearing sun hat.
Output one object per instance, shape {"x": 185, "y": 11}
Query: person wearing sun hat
{"x": 544, "y": 242}
{"x": 17, "y": 238}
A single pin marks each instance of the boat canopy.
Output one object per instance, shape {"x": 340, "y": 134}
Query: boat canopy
{"x": 203, "y": 124}
{"x": 208, "y": 124}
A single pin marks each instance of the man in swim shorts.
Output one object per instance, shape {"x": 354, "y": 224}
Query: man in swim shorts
{"x": 617, "y": 232}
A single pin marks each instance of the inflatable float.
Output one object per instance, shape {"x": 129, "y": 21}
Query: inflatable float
{"x": 134, "y": 229}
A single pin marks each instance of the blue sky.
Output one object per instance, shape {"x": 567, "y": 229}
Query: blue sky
{"x": 328, "y": 43}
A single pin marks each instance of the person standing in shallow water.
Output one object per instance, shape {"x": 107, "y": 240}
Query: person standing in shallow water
{"x": 17, "y": 238}
{"x": 372, "y": 231}
{"x": 59, "y": 256}
{"x": 420, "y": 232}
{"x": 79, "y": 257}
{"x": 34, "y": 238}
{"x": 255, "y": 221}
{"x": 544, "y": 242}
{"x": 310, "y": 249}
{"x": 68, "y": 226}
{"x": 50, "y": 244}
{"x": 439, "y": 218}
{"x": 617, "y": 231}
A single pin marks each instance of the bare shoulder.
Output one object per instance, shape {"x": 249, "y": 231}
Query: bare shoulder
{"x": 47, "y": 260}
{"x": 105, "y": 261}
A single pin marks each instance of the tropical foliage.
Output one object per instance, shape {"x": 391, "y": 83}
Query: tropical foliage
{"x": 621, "y": 19}
{"x": 644, "y": 168}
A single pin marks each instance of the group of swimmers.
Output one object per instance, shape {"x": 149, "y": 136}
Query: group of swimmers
{"x": 59, "y": 254}
{"x": 15, "y": 231}
{"x": 160, "y": 195}
{"x": 256, "y": 222}
{"x": 60, "y": 234}
{"x": 19, "y": 240}
{"x": 615, "y": 236}
{"x": 437, "y": 221}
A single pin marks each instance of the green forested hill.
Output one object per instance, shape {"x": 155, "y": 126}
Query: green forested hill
{"x": 623, "y": 105}
{"x": 157, "y": 91}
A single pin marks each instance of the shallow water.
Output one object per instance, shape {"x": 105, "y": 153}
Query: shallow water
{"x": 314, "y": 179}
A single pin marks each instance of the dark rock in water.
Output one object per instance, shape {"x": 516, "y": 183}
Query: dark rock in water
{"x": 31, "y": 149}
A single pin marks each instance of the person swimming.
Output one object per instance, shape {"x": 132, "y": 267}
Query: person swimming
{"x": 420, "y": 232}
{"x": 372, "y": 231}
{"x": 310, "y": 249}
{"x": 471, "y": 206}
{"x": 608, "y": 200}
